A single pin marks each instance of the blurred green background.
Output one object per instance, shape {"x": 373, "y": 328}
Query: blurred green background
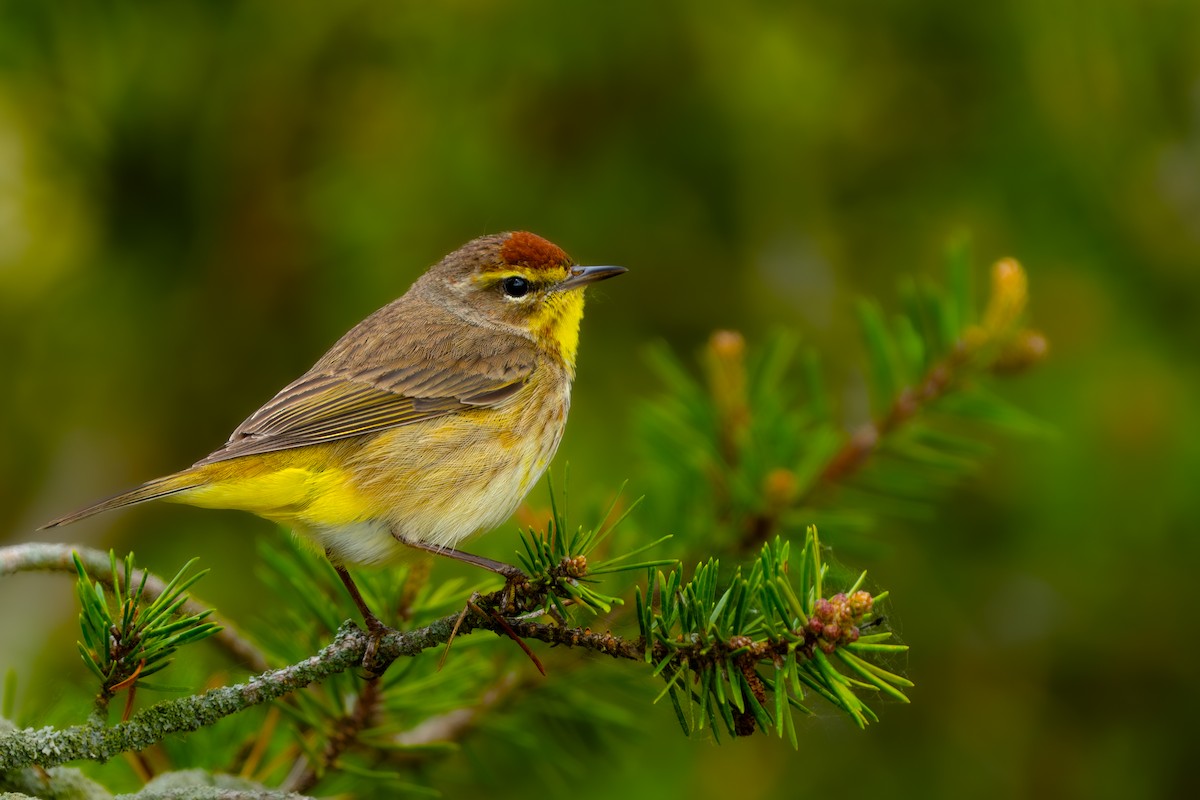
{"x": 197, "y": 198}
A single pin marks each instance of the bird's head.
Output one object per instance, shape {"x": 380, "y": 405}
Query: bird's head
{"x": 520, "y": 282}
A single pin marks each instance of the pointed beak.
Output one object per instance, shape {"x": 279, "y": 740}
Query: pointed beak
{"x": 582, "y": 276}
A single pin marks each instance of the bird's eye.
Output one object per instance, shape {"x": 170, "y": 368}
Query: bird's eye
{"x": 516, "y": 286}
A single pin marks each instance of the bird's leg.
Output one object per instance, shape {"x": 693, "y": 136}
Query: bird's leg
{"x": 375, "y": 628}
{"x": 513, "y": 576}
{"x": 499, "y": 567}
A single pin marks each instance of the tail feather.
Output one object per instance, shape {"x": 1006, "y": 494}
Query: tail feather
{"x": 151, "y": 490}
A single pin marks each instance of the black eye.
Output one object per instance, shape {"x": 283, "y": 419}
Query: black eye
{"x": 516, "y": 286}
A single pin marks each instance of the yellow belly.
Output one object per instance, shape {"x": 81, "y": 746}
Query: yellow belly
{"x": 435, "y": 482}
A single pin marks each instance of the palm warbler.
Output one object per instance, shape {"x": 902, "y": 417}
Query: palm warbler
{"x": 429, "y": 421}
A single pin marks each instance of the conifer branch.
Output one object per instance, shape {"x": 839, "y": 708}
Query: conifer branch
{"x": 746, "y": 455}
{"x": 346, "y": 730}
{"x": 754, "y": 448}
{"x": 53, "y": 557}
{"x": 95, "y": 741}
{"x": 912, "y": 399}
{"x": 996, "y": 345}
{"x": 48, "y": 747}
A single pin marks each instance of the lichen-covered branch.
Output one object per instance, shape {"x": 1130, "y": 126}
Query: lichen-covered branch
{"x": 54, "y": 557}
{"x": 49, "y": 747}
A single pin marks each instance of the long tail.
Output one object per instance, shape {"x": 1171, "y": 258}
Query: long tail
{"x": 151, "y": 490}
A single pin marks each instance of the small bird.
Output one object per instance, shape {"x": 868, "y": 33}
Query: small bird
{"x": 426, "y": 423}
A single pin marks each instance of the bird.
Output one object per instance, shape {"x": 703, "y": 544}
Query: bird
{"x": 426, "y": 423}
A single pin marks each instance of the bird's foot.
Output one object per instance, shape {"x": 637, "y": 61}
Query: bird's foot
{"x": 516, "y": 583}
{"x": 372, "y": 663}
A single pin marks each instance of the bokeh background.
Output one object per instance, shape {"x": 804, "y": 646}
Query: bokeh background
{"x": 196, "y": 198}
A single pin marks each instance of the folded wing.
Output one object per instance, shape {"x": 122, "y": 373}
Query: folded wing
{"x": 323, "y": 407}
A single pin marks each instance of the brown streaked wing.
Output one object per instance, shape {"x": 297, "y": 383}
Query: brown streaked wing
{"x": 320, "y": 408}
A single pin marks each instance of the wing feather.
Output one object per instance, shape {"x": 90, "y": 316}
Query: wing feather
{"x": 336, "y": 400}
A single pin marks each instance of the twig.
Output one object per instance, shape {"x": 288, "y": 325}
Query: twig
{"x": 53, "y": 557}
{"x": 998, "y": 343}
{"x": 854, "y": 454}
{"x": 911, "y": 400}
{"x": 506, "y": 628}
{"x": 49, "y": 747}
{"x": 346, "y": 729}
